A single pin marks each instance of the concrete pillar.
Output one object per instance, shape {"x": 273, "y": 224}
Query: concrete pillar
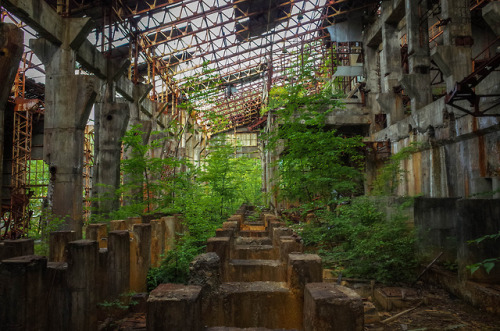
{"x": 99, "y": 233}
{"x": 118, "y": 263}
{"x": 140, "y": 257}
{"x": 58, "y": 298}
{"x": 15, "y": 248}
{"x": 111, "y": 120}
{"x": 174, "y": 307}
{"x": 331, "y": 307}
{"x": 136, "y": 194}
{"x": 454, "y": 57}
{"x": 83, "y": 260}
{"x": 23, "y": 293}
{"x": 58, "y": 245}
{"x": 158, "y": 229}
{"x": 11, "y": 51}
{"x": 417, "y": 83}
{"x": 102, "y": 276}
{"x": 68, "y": 101}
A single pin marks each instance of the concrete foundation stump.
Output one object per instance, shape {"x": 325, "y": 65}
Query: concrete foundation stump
{"x": 331, "y": 307}
{"x": 23, "y": 304}
{"x": 118, "y": 263}
{"x": 83, "y": 260}
{"x": 174, "y": 307}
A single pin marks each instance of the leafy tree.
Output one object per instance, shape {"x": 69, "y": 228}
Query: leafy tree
{"x": 318, "y": 165}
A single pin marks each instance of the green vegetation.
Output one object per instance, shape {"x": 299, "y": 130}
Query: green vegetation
{"x": 487, "y": 264}
{"x": 358, "y": 241}
{"x": 321, "y": 170}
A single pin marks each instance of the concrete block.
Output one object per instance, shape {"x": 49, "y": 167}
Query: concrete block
{"x": 391, "y": 298}
{"x": 83, "y": 260}
{"x": 118, "y": 263}
{"x": 14, "y": 248}
{"x": 220, "y": 246}
{"x": 98, "y": 232}
{"x": 303, "y": 269}
{"x": 174, "y": 307}
{"x": 268, "y": 305}
{"x": 331, "y": 307}
{"x": 140, "y": 257}
{"x": 59, "y": 240}
{"x": 23, "y": 296}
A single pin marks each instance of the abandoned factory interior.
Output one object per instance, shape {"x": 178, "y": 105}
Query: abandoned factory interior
{"x": 224, "y": 165}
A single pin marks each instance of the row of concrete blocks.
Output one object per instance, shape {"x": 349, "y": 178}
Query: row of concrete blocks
{"x": 84, "y": 276}
{"x": 213, "y": 301}
{"x": 303, "y": 302}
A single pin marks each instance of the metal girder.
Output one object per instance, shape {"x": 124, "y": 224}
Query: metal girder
{"x": 464, "y": 90}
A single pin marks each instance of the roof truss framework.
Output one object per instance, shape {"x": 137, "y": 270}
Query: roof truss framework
{"x": 241, "y": 44}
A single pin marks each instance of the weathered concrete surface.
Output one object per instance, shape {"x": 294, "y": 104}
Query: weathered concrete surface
{"x": 205, "y": 271}
{"x": 83, "y": 260}
{"x": 58, "y": 298}
{"x": 118, "y": 263}
{"x": 23, "y": 293}
{"x": 140, "y": 257}
{"x": 259, "y": 252}
{"x": 11, "y": 51}
{"x": 14, "y": 248}
{"x": 436, "y": 225}
{"x": 68, "y": 101}
{"x": 491, "y": 14}
{"x": 331, "y": 307}
{"x": 174, "y": 307}
{"x": 257, "y": 304}
{"x": 58, "y": 245}
{"x": 111, "y": 119}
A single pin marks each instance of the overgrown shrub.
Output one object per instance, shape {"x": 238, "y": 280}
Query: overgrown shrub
{"x": 358, "y": 240}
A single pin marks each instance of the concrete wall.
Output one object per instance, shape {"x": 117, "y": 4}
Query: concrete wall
{"x": 448, "y": 225}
